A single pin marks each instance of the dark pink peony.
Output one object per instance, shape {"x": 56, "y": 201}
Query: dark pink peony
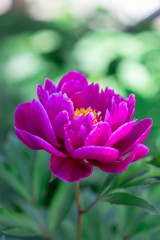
{"x": 82, "y": 126}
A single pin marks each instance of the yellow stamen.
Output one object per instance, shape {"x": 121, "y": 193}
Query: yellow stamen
{"x": 84, "y": 112}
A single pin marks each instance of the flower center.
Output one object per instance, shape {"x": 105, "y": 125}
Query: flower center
{"x": 84, "y": 112}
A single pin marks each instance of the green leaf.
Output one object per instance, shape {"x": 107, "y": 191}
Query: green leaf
{"x": 141, "y": 182}
{"x": 122, "y": 198}
{"x": 26, "y": 207}
{"x": 20, "y": 158}
{"x": 22, "y": 232}
{"x": 40, "y": 174}
{"x": 59, "y": 204}
{"x": 154, "y": 173}
{"x": 13, "y": 219}
{"x": 6, "y": 172}
{"x": 15, "y": 166}
{"x": 121, "y": 180}
{"x": 107, "y": 183}
{"x": 150, "y": 223}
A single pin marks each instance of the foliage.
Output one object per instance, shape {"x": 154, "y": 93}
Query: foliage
{"x": 33, "y": 203}
{"x": 30, "y": 206}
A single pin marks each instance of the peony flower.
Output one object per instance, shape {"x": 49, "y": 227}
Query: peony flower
{"x": 82, "y": 126}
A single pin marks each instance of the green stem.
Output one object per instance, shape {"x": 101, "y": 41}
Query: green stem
{"x": 80, "y": 213}
{"x": 90, "y": 206}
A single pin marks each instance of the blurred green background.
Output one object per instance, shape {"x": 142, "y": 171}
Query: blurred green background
{"x": 111, "y": 44}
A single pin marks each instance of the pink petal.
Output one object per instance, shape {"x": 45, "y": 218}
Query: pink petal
{"x": 114, "y": 107}
{"x": 137, "y": 135}
{"x": 32, "y": 117}
{"x": 76, "y": 123}
{"x": 120, "y": 133}
{"x": 72, "y": 87}
{"x": 121, "y": 165}
{"x": 92, "y": 96}
{"x": 99, "y": 135}
{"x": 42, "y": 94}
{"x": 131, "y": 105}
{"x": 50, "y": 86}
{"x": 79, "y": 100}
{"x": 102, "y": 154}
{"x": 116, "y": 166}
{"x": 96, "y": 99}
{"x": 75, "y": 134}
{"x": 22, "y": 115}
{"x": 57, "y": 103}
{"x": 73, "y": 75}
{"x": 109, "y": 94}
{"x": 88, "y": 122}
{"x": 67, "y": 140}
{"x": 59, "y": 122}
{"x": 41, "y": 124}
{"x": 69, "y": 169}
{"x": 37, "y": 143}
{"x": 121, "y": 115}
{"x": 107, "y": 117}
{"x": 78, "y": 138}
{"x": 140, "y": 151}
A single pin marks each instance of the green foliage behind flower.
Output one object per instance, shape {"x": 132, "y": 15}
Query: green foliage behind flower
{"x": 30, "y": 50}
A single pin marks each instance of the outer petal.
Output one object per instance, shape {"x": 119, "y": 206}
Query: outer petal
{"x": 22, "y": 115}
{"x": 59, "y": 122}
{"x": 120, "y": 133}
{"x": 41, "y": 123}
{"x": 32, "y": 117}
{"x": 131, "y": 105}
{"x": 116, "y": 166}
{"x": 137, "y": 135}
{"x": 140, "y": 151}
{"x": 50, "y": 86}
{"x": 57, "y": 103}
{"x": 69, "y": 169}
{"x": 102, "y": 154}
{"x": 73, "y": 75}
{"x": 42, "y": 94}
{"x": 72, "y": 87}
{"x": 121, "y": 165}
{"x": 37, "y": 143}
